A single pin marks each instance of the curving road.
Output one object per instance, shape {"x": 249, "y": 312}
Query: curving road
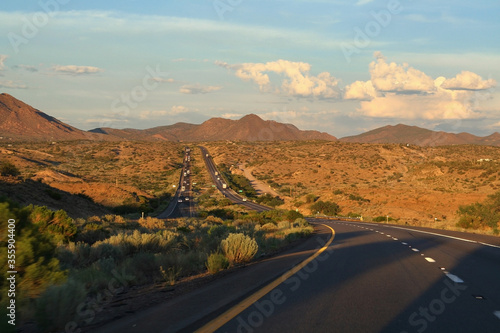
{"x": 386, "y": 279}
{"x": 227, "y": 192}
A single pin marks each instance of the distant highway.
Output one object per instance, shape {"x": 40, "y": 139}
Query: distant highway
{"x": 182, "y": 204}
{"x": 227, "y": 192}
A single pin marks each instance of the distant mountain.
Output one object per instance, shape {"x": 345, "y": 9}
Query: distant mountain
{"x": 414, "y": 135}
{"x": 248, "y": 128}
{"x": 21, "y": 122}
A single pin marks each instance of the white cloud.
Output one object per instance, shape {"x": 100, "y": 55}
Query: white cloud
{"x": 198, "y": 89}
{"x": 3, "y": 57}
{"x": 175, "y": 110}
{"x": 360, "y": 90}
{"x": 12, "y": 85}
{"x": 76, "y": 70}
{"x": 400, "y": 91}
{"x": 468, "y": 81}
{"x": 363, "y": 2}
{"x": 297, "y": 81}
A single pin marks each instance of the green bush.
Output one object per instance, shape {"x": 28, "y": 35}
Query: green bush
{"x": 239, "y": 248}
{"x": 326, "y": 207}
{"x": 58, "y": 304}
{"x": 217, "y": 262}
{"x": 8, "y": 169}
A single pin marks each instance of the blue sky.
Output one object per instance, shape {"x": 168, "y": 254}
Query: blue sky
{"x": 343, "y": 67}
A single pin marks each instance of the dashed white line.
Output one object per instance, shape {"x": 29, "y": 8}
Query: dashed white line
{"x": 497, "y": 314}
{"x": 454, "y": 278}
{"x": 429, "y": 259}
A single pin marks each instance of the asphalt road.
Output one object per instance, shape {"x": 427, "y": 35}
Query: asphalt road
{"x": 377, "y": 278}
{"x": 182, "y": 204}
{"x": 227, "y": 192}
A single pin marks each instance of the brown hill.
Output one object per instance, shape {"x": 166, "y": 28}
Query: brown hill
{"x": 19, "y": 121}
{"x": 248, "y": 128}
{"x": 414, "y": 135}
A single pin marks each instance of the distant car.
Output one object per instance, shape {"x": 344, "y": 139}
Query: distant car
{"x": 244, "y": 199}
{"x": 187, "y": 199}
{"x": 218, "y": 178}
{"x": 180, "y": 200}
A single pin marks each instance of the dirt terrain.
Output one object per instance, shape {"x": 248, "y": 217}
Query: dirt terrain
{"x": 414, "y": 184}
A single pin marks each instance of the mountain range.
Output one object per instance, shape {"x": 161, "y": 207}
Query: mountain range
{"x": 21, "y": 122}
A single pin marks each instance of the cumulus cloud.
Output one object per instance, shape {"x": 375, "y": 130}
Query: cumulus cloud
{"x": 76, "y": 70}
{"x": 296, "y": 80}
{"x": 468, "y": 81}
{"x": 198, "y": 89}
{"x": 400, "y": 91}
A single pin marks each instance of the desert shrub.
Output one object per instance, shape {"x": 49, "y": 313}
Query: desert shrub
{"x": 36, "y": 259}
{"x": 239, "y": 248}
{"x": 382, "y": 219}
{"x": 292, "y": 215}
{"x": 300, "y": 222}
{"x": 284, "y": 225}
{"x": 59, "y": 224}
{"x": 152, "y": 223}
{"x": 326, "y": 207}
{"x": 311, "y": 198}
{"x": 53, "y": 194}
{"x": 58, "y": 304}
{"x": 269, "y": 200}
{"x": 269, "y": 227}
{"x": 217, "y": 262}
{"x": 8, "y": 169}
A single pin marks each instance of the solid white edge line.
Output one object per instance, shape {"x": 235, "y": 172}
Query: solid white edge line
{"x": 454, "y": 278}
{"x": 435, "y": 234}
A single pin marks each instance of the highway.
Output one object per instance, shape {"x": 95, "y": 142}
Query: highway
{"x": 368, "y": 278}
{"x": 227, "y": 192}
{"x": 182, "y": 204}
{"x": 385, "y": 279}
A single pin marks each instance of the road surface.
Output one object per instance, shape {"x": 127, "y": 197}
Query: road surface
{"x": 370, "y": 278}
{"x": 182, "y": 204}
{"x": 227, "y": 192}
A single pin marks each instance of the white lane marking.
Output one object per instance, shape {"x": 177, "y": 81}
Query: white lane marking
{"x": 497, "y": 314}
{"x": 435, "y": 234}
{"x": 416, "y": 250}
{"x": 454, "y": 278}
{"x": 429, "y": 259}
{"x": 404, "y": 243}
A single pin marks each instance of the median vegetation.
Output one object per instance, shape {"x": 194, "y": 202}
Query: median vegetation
{"x": 485, "y": 215}
{"x": 69, "y": 265}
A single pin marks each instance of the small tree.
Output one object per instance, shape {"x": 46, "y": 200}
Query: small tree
{"x": 8, "y": 169}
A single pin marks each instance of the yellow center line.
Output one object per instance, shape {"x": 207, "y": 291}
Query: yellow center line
{"x": 240, "y": 307}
